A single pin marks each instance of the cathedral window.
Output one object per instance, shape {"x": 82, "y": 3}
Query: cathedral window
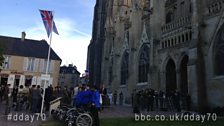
{"x": 124, "y": 68}
{"x": 143, "y": 68}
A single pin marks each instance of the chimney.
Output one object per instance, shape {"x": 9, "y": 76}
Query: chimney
{"x": 23, "y": 36}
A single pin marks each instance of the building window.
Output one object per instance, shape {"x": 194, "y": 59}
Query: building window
{"x": 31, "y": 63}
{"x": 124, "y": 68}
{"x": 6, "y": 63}
{"x": 143, "y": 68}
{"x": 50, "y": 67}
{"x": 169, "y": 17}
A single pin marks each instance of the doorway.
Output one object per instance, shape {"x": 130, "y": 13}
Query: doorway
{"x": 171, "y": 84}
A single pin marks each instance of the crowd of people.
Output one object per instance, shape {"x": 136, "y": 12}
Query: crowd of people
{"x": 84, "y": 97}
{"x": 91, "y": 99}
{"x": 151, "y": 100}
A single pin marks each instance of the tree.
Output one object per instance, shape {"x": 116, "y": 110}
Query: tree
{"x": 1, "y": 54}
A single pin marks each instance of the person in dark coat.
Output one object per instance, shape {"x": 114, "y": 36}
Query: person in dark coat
{"x": 135, "y": 102}
{"x": 65, "y": 97}
{"x": 39, "y": 98}
{"x": 103, "y": 92}
{"x": 14, "y": 95}
{"x": 34, "y": 96}
{"x": 121, "y": 98}
{"x": 176, "y": 100}
{"x": 188, "y": 99}
{"x": 1, "y": 92}
{"x": 48, "y": 97}
{"x": 6, "y": 96}
{"x": 115, "y": 97}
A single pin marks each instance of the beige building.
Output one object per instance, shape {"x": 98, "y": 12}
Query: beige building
{"x": 165, "y": 45}
{"x": 26, "y": 60}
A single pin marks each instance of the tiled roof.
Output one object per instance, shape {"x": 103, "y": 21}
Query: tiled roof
{"x": 27, "y": 48}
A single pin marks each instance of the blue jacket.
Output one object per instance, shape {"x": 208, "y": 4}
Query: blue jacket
{"x": 95, "y": 98}
{"x": 83, "y": 98}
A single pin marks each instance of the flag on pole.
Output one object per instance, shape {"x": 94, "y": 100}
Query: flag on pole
{"x": 48, "y": 21}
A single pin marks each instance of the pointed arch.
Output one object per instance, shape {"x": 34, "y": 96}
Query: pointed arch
{"x": 171, "y": 83}
{"x": 218, "y": 53}
{"x": 169, "y": 17}
{"x": 144, "y": 63}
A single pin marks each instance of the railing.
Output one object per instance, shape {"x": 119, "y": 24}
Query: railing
{"x": 55, "y": 103}
{"x": 176, "y": 24}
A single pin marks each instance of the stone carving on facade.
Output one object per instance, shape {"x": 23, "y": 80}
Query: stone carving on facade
{"x": 170, "y": 2}
{"x": 144, "y": 38}
{"x": 127, "y": 23}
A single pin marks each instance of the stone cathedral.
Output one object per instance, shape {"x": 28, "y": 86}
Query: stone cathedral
{"x": 165, "y": 45}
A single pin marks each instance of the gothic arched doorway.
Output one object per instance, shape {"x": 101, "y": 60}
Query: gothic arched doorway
{"x": 219, "y": 53}
{"x": 183, "y": 75}
{"x": 171, "y": 83}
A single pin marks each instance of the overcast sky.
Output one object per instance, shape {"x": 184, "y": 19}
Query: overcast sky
{"x": 73, "y": 19}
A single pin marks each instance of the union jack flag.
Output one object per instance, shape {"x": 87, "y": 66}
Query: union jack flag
{"x": 48, "y": 20}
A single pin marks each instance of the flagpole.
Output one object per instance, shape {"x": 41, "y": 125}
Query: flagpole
{"x": 47, "y": 67}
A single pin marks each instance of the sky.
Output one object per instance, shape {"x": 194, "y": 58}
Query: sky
{"x": 73, "y": 19}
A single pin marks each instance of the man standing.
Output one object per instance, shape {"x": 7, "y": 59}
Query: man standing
{"x": 34, "y": 98}
{"x": 176, "y": 99}
{"x": 121, "y": 97}
{"x": 115, "y": 97}
{"x": 14, "y": 96}
{"x": 103, "y": 92}
{"x": 6, "y": 95}
{"x": 95, "y": 105}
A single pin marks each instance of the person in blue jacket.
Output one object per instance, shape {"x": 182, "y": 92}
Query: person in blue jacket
{"x": 83, "y": 98}
{"x": 95, "y": 105}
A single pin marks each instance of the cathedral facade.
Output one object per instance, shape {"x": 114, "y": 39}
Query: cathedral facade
{"x": 165, "y": 45}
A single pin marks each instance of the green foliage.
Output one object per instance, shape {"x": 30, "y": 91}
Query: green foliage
{"x": 1, "y": 54}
